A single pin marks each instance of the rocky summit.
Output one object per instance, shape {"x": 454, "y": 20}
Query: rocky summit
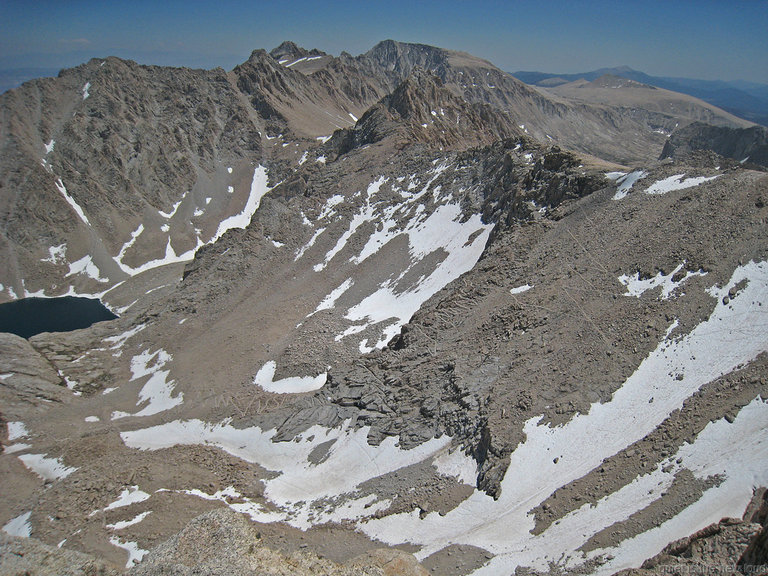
{"x": 394, "y": 313}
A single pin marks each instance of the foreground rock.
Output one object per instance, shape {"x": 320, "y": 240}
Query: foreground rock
{"x": 225, "y": 543}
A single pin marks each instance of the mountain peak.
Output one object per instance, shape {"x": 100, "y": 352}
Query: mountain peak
{"x": 403, "y": 57}
{"x": 616, "y": 81}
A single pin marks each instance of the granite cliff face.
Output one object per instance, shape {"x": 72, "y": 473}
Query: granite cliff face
{"x": 393, "y": 299}
{"x": 741, "y": 144}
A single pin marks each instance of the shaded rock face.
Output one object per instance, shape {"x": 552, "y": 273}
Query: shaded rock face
{"x": 377, "y": 300}
{"x": 741, "y": 144}
{"x": 755, "y": 557}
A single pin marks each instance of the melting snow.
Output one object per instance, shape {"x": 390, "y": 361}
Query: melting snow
{"x": 307, "y": 493}
{"x": 125, "y": 523}
{"x": 49, "y": 146}
{"x": 57, "y": 254}
{"x": 626, "y": 182}
{"x": 520, "y": 289}
{"x": 134, "y": 235}
{"x": 157, "y": 391}
{"x": 242, "y": 504}
{"x": 292, "y": 385}
{"x": 550, "y": 457}
{"x": 170, "y": 258}
{"x": 366, "y": 214}
{"x": 130, "y": 495}
{"x": 86, "y": 266}
{"x": 296, "y": 62}
{"x": 463, "y": 243}
{"x": 71, "y": 201}
{"x": 259, "y": 188}
{"x": 16, "y": 430}
{"x": 19, "y": 526}
{"x": 309, "y": 244}
{"x": 49, "y": 469}
{"x": 135, "y": 554}
{"x": 174, "y": 208}
{"x": 636, "y": 287}
{"x": 676, "y": 182}
{"x": 733, "y": 335}
{"x": 455, "y": 464}
{"x": 330, "y": 300}
{"x": 736, "y": 451}
{"x": 18, "y": 447}
{"x": 85, "y": 90}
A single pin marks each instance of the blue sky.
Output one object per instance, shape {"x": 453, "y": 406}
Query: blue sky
{"x": 724, "y": 40}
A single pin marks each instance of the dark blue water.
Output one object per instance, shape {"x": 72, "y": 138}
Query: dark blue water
{"x": 31, "y": 316}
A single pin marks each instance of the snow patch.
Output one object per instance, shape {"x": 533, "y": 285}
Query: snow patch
{"x": 520, "y": 289}
{"x": 71, "y": 201}
{"x": 626, "y": 182}
{"x": 86, "y": 267}
{"x": 292, "y": 385}
{"x": 736, "y": 452}
{"x": 462, "y": 242}
{"x": 330, "y": 300}
{"x": 125, "y": 523}
{"x": 306, "y": 493}
{"x": 157, "y": 391}
{"x": 134, "y": 236}
{"x": 637, "y": 287}
{"x": 455, "y": 464}
{"x": 170, "y": 258}
{"x": 135, "y": 554}
{"x": 130, "y": 495}
{"x": 16, "y": 430}
{"x": 49, "y": 469}
{"x": 259, "y": 188}
{"x": 19, "y": 526}
{"x": 57, "y": 254}
{"x": 174, "y": 208}
{"x": 676, "y": 182}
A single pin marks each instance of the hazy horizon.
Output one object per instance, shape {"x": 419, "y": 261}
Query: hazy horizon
{"x": 704, "y": 40}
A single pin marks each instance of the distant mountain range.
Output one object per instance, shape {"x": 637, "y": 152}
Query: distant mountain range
{"x": 748, "y": 100}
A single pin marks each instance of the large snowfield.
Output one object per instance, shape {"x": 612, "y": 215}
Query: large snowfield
{"x": 304, "y": 493}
